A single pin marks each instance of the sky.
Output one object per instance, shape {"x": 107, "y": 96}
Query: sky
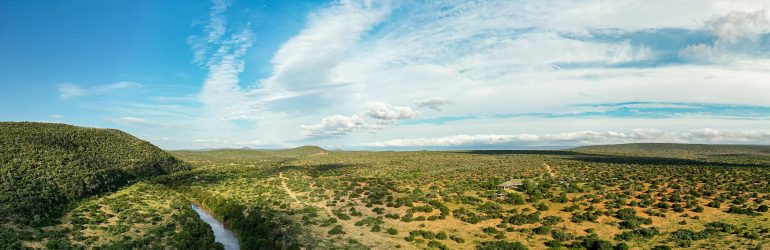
{"x": 392, "y": 75}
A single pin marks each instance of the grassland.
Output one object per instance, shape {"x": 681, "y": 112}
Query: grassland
{"x": 142, "y": 215}
{"x": 630, "y": 196}
{"x": 638, "y": 196}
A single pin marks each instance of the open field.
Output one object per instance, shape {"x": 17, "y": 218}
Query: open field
{"x": 681, "y": 196}
{"x": 638, "y": 196}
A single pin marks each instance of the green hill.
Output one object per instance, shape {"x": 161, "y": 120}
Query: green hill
{"x": 44, "y": 167}
{"x": 247, "y": 154}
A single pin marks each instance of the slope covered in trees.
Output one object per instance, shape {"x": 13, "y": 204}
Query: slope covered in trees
{"x": 44, "y": 167}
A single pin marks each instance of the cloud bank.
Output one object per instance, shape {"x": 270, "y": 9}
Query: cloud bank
{"x": 581, "y": 138}
{"x": 444, "y": 73}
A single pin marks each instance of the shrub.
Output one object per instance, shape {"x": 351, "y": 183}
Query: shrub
{"x": 737, "y": 210}
{"x": 542, "y": 230}
{"x": 336, "y": 230}
{"x": 500, "y": 245}
{"x": 637, "y": 234}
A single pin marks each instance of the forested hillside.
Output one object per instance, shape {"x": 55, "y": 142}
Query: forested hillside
{"x": 44, "y": 167}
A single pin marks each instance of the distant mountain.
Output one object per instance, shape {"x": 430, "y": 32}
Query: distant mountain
{"x": 44, "y": 167}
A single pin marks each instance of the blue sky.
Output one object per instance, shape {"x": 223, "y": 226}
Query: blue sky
{"x": 392, "y": 74}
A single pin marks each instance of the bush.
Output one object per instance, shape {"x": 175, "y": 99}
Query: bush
{"x": 542, "y": 230}
{"x": 457, "y": 239}
{"x": 698, "y": 209}
{"x": 521, "y": 219}
{"x": 737, "y": 210}
{"x": 436, "y": 244}
{"x": 637, "y": 234}
{"x": 336, "y": 230}
{"x": 500, "y": 245}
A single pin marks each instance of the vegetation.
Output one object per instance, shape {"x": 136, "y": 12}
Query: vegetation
{"x": 633, "y": 196}
{"x": 637, "y": 196}
{"x": 44, "y": 167}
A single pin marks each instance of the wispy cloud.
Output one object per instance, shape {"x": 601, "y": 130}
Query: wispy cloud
{"x": 306, "y": 60}
{"x": 582, "y": 138}
{"x": 114, "y": 86}
{"x": 348, "y": 73}
{"x": 653, "y": 110}
{"x": 215, "y": 27}
{"x": 71, "y": 90}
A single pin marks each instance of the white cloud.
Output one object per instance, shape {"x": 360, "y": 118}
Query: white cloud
{"x": 381, "y": 114}
{"x": 740, "y": 25}
{"x": 435, "y": 103}
{"x": 583, "y": 138}
{"x": 493, "y": 57}
{"x": 741, "y": 29}
{"x": 222, "y": 94}
{"x": 70, "y": 90}
{"x": 384, "y": 111}
{"x": 56, "y": 116}
{"x": 338, "y": 125}
{"x": 114, "y": 86}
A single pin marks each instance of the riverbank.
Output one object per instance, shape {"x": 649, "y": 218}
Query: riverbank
{"x": 222, "y": 233}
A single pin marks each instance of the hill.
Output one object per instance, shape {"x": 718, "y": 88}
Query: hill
{"x": 247, "y": 154}
{"x": 44, "y": 167}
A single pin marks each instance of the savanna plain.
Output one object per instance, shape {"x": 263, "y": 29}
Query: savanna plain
{"x": 66, "y": 187}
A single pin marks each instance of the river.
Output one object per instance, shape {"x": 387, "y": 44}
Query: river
{"x": 221, "y": 233}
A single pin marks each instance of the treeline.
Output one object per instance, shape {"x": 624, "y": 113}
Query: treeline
{"x": 44, "y": 167}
